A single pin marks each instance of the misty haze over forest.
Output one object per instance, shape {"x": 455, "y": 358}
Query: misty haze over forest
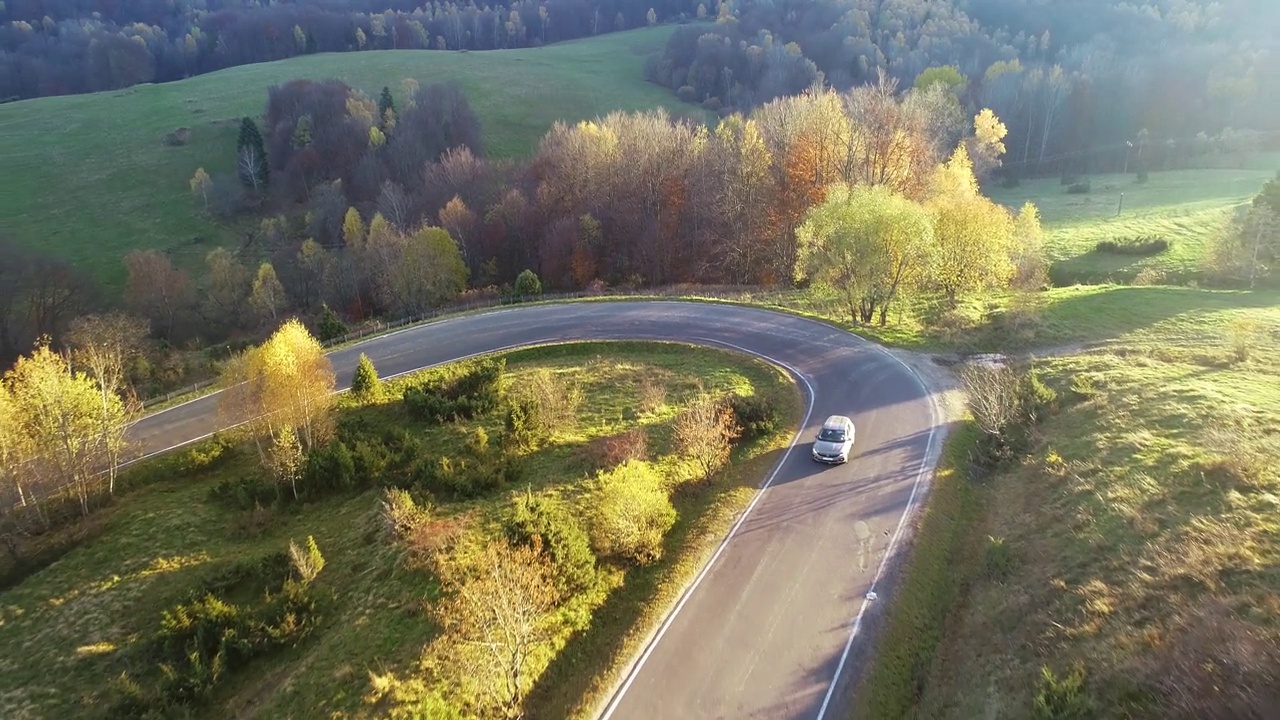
{"x": 1174, "y": 67}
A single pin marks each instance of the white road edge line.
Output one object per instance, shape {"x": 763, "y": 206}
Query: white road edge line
{"x": 925, "y": 469}
{"x": 638, "y": 664}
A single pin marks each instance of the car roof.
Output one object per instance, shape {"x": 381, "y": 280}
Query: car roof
{"x": 837, "y": 421}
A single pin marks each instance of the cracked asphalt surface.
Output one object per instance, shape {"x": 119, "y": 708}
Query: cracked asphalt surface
{"x": 762, "y": 631}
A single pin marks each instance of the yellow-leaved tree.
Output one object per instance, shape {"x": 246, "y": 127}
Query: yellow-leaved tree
{"x": 70, "y": 434}
{"x": 104, "y": 344}
{"x": 1031, "y": 269}
{"x": 974, "y": 236}
{"x": 268, "y": 295}
{"x": 867, "y": 243}
{"x": 15, "y": 452}
{"x": 430, "y": 271}
{"x": 414, "y": 273}
{"x": 285, "y": 384}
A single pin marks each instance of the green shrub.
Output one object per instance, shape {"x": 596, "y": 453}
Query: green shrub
{"x": 523, "y": 427}
{"x": 1062, "y": 698}
{"x": 208, "y": 456}
{"x": 200, "y": 641}
{"x": 245, "y": 492}
{"x": 630, "y": 512}
{"x": 370, "y": 462}
{"x": 406, "y": 454}
{"x": 560, "y": 533}
{"x": 527, "y": 285}
{"x": 365, "y": 384}
{"x": 756, "y": 415}
{"x": 1082, "y": 386}
{"x": 1038, "y": 399}
{"x": 307, "y": 562}
{"x": 460, "y": 392}
{"x": 329, "y": 469}
{"x": 998, "y": 560}
{"x": 251, "y": 577}
{"x": 331, "y": 326}
{"x": 480, "y": 469}
{"x": 205, "y": 638}
{"x": 1143, "y": 246}
{"x": 463, "y": 478}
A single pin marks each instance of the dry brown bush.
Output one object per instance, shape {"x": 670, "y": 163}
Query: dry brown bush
{"x": 651, "y": 396}
{"x": 1243, "y": 335}
{"x": 1149, "y": 276}
{"x": 993, "y": 395}
{"x": 705, "y": 433}
{"x": 606, "y": 453}
{"x": 556, "y": 399}
{"x": 1244, "y": 457}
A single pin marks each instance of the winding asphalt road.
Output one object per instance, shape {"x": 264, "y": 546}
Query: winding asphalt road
{"x": 768, "y": 626}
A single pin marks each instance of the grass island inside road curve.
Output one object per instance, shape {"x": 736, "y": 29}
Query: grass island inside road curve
{"x": 795, "y": 536}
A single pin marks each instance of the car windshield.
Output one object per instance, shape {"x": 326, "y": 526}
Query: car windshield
{"x": 831, "y": 435}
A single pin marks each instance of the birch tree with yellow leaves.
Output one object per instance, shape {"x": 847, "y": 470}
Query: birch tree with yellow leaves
{"x": 285, "y": 384}
{"x": 65, "y": 434}
{"x": 973, "y": 235}
{"x": 15, "y": 453}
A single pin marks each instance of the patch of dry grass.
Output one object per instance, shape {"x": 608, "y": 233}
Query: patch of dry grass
{"x": 1149, "y": 511}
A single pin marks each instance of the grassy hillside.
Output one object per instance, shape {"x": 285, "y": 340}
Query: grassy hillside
{"x": 1185, "y": 207}
{"x": 83, "y": 620}
{"x": 1137, "y": 543}
{"x": 89, "y": 177}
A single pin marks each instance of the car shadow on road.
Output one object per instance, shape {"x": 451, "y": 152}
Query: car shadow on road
{"x": 800, "y": 498}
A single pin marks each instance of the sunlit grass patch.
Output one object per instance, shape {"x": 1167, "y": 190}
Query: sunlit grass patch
{"x": 1152, "y": 502}
{"x": 76, "y": 625}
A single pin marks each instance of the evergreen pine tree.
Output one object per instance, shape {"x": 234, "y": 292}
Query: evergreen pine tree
{"x": 385, "y": 103}
{"x": 365, "y": 384}
{"x": 331, "y": 326}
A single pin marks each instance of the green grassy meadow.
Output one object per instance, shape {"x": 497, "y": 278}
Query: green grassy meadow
{"x": 1186, "y": 207}
{"x": 69, "y": 629}
{"x": 89, "y": 177}
{"x": 1138, "y": 540}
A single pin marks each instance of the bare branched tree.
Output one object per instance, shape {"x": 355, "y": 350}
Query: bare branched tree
{"x": 249, "y": 163}
{"x": 499, "y": 615}
{"x": 994, "y": 395}
{"x": 103, "y": 344}
{"x": 705, "y": 433}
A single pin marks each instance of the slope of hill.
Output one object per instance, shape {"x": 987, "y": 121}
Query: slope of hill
{"x": 1185, "y": 207}
{"x": 90, "y": 177}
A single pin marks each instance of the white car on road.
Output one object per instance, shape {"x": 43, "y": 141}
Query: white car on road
{"x": 835, "y": 441}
